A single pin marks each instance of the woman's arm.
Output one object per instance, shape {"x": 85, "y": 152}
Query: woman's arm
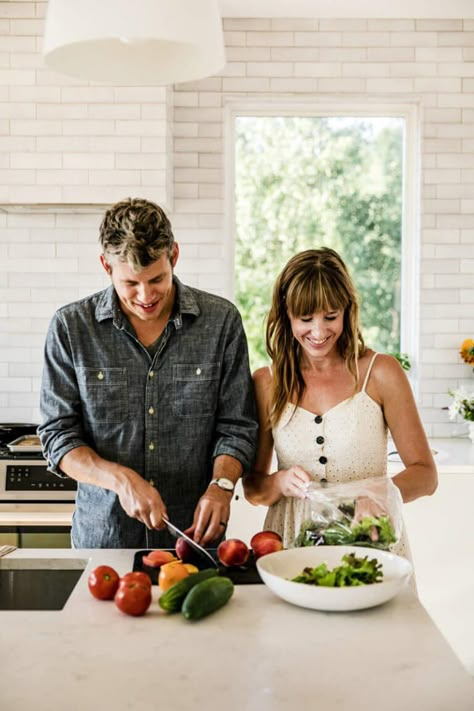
{"x": 393, "y": 390}
{"x": 260, "y": 486}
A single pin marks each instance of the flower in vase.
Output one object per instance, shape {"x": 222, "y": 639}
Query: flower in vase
{"x": 467, "y": 351}
{"x": 462, "y": 404}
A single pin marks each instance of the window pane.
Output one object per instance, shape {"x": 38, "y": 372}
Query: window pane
{"x": 304, "y": 182}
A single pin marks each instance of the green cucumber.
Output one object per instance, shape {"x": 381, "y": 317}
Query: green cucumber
{"x": 173, "y": 598}
{"x": 207, "y": 597}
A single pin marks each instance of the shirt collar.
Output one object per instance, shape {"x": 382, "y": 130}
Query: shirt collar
{"x": 185, "y": 303}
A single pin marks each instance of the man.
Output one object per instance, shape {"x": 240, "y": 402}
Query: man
{"x": 147, "y": 399}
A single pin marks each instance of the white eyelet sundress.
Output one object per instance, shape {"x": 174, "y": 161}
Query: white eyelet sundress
{"x": 347, "y": 443}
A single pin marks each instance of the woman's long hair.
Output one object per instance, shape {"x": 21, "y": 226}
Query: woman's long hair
{"x": 312, "y": 281}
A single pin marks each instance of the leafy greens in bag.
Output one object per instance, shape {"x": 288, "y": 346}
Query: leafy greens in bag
{"x": 363, "y": 513}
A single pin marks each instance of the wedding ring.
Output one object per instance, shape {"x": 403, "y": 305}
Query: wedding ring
{"x": 223, "y": 523}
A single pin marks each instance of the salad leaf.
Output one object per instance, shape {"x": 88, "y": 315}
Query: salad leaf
{"x": 371, "y": 531}
{"x": 352, "y": 571}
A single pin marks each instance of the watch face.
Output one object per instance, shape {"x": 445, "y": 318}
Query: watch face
{"x": 224, "y": 483}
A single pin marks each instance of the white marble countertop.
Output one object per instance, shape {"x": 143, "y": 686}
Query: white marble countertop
{"x": 256, "y": 654}
{"x": 451, "y": 455}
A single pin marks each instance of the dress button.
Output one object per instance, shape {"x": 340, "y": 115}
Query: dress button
{"x": 323, "y": 460}
{"x": 151, "y": 410}
{"x": 152, "y": 446}
{"x": 320, "y": 440}
{"x": 318, "y": 419}
{"x": 151, "y": 374}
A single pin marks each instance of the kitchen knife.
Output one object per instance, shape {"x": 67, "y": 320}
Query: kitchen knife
{"x": 177, "y": 533}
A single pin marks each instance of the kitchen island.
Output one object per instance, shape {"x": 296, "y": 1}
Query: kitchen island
{"x": 258, "y": 653}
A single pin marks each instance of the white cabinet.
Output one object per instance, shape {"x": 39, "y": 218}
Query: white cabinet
{"x": 441, "y": 533}
{"x": 245, "y": 519}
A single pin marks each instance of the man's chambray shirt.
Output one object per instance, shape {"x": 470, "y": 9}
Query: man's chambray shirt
{"x": 167, "y": 417}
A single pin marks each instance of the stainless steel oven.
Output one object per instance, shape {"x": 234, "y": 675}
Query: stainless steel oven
{"x": 35, "y": 505}
{"x": 24, "y": 476}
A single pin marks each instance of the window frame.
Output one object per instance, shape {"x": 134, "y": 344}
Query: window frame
{"x": 410, "y": 112}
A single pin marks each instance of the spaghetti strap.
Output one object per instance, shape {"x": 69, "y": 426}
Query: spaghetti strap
{"x": 368, "y": 372}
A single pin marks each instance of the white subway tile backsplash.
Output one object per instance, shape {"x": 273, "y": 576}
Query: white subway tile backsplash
{"x": 270, "y": 39}
{"x": 14, "y": 385}
{"x": 450, "y": 281}
{"x": 294, "y": 23}
{"x": 42, "y": 266}
{"x": 292, "y": 54}
{"x": 64, "y": 140}
{"x": 316, "y": 39}
{"x": 25, "y": 370}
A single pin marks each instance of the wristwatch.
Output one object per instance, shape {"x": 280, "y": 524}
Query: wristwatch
{"x": 223, "y": 483}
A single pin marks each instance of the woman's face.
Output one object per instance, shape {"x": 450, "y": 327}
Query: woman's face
{"x": 318, "y": 333}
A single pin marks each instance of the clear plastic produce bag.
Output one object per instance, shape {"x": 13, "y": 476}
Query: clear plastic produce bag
{"x": 367, "y": 512}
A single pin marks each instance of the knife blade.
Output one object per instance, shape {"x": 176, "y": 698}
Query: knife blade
{"x": 177, "y": 533}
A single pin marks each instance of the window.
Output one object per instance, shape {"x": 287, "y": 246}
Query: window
{"x": 303, "y": 181}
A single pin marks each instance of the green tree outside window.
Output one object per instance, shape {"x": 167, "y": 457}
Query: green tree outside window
{"x": 304, "y": 182}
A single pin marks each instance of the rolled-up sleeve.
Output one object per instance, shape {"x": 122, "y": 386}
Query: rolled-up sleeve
{"x": 236, "y": 420}
{"x": 60, "y": 430}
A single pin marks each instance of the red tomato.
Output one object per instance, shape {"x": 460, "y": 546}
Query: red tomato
{"x": 103, "y": 582}
{"x": 133, "y": 598}
{"x": 136, "y": 575}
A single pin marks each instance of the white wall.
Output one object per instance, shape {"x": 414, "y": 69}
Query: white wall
{"x": 50, "y": 153}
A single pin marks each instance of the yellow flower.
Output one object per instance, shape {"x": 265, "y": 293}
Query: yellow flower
{"x": 467, "y": 351}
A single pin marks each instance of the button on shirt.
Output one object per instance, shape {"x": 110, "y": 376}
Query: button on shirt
{"x": 166, "y": 415}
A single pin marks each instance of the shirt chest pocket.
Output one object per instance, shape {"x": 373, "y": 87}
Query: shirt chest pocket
{"x": 104, "y": 394}
{"x": 196, "y": 389}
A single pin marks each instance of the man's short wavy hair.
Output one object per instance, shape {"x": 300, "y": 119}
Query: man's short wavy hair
{"x": 136, "y": 231}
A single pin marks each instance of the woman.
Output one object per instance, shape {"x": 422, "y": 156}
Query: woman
{"x": 326, "y": 402}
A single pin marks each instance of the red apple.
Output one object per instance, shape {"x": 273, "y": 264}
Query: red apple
{"x": 263, "y": 536}
{"x": 232, "y": 551}
{"x": 185, "y": 552}
{"x": 266, "y": 544}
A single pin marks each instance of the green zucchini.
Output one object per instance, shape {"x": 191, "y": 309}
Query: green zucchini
{"x": 173, "y": 598}
{"x": 207, "y": 597}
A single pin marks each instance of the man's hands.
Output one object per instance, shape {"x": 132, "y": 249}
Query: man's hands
{"x": 211, "y": 515}
{"x": 140, "y": 500}
{"x": 213, "y": 509}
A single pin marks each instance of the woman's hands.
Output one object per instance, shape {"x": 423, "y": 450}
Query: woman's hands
{"x": 366, "y": 506}
{"x": 292, "y": 481}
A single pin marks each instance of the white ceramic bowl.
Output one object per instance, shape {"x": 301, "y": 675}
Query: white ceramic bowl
{"x": 277, "y": 569}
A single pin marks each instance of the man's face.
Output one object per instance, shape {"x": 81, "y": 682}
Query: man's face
{"x": 148, "y": 294}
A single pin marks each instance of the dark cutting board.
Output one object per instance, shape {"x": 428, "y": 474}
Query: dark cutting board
{"x": 242, "y": 575}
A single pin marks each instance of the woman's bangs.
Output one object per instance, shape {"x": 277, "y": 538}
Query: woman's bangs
{"x": 315, "y": 294}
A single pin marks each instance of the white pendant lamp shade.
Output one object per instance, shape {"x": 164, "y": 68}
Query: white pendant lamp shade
{"x": 138, "y": 42}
